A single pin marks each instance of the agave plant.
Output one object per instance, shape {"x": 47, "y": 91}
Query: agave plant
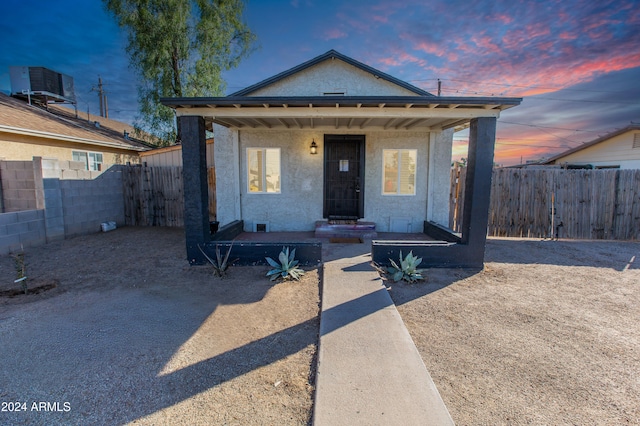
{"x": 221, "y": 264}
{"x": 287, "y": 268}
{"x": 407, "y": 269}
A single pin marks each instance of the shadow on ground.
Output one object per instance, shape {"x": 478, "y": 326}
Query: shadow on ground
{"x": 617, "y": 255}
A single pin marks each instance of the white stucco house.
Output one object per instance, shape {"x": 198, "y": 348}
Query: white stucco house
{"x": 333, "y": 138}
{"x": 615, "y": 150}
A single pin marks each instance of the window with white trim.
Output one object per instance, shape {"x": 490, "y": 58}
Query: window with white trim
{"x": 399, "y": 171}
{"x": 263, "y": 170}
{"x": 92, "y": 160}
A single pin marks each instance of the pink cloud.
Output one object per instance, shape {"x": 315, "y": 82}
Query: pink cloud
{"x": 431, "y": 48}
{"x": 334, "y": 33}
{"x": 486, "y": 43}
{"x": 383, "y": 19}
{"x": 567, "y": 36}
{"x": 505, "y": 19}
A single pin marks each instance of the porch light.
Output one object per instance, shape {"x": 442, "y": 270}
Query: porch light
{"x": 314, "y": 147}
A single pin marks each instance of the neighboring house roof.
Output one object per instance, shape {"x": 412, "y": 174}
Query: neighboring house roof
{"x": 117, "y": 126}
{"x": 18, "y": 117}
{"x": 331, "y": 54}
{"x": 585, "y": 145}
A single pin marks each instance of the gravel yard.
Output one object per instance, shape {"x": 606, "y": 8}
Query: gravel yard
{"x": 132, "y": 333}
{"x": 548, "y": 333}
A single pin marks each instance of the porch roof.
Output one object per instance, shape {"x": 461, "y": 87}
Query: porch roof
{"x": 426, "y": 113}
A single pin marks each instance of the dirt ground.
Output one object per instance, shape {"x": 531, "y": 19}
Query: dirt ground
{"x": 547, "y": 334}
{"x": 132, "y": 333}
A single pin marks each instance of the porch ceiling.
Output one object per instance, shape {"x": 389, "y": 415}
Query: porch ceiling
{"x": 430, "y": 113}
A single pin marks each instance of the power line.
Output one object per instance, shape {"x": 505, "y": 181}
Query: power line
{"x": 537, "y": 97}
{"x": 528, "y": 87}
{"x": 547, "y": 127}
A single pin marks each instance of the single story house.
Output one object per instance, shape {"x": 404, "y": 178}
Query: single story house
{"x": 28, "y": 131}
{"x": 616, "y": 150}
{"x": 334, "y": 139}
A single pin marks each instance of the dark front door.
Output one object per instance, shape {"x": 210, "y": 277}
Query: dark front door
{"x": 344, "y": 176}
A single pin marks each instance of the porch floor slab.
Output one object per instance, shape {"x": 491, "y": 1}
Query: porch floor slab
{"x": 369, "y": 370}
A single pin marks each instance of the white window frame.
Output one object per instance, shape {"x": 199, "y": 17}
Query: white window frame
{"x": 264, "y": 176}
{"x": 414, "y": 153}
{"x": 89, "y": 162}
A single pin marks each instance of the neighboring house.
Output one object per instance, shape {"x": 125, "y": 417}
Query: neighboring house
{"x": 171, "y": 156}
{"x": 28, "y": 131}
{"x": 616, "y": 150}
{"x": 333, "y": 138}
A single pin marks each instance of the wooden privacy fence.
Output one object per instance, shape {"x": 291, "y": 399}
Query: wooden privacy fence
{"x": 543, "y": 203}
{"x": 154, "y": 196}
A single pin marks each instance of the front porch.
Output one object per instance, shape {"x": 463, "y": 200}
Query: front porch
{"x": 436, "y": 245}
{"x": 439, "y": 247}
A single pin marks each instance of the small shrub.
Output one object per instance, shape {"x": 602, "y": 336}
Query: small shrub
{"x": 21, "y": 270}
{"x": 407, "y": 270}
{"x": 287, "y": 268}
{"x": 221, "y": 264}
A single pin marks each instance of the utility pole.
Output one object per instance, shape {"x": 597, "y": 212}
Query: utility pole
{"x": 439, "y": 87}
{"x": 102, "y": 98}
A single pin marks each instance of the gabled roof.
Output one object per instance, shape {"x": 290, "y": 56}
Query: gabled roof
{"x": 18, "y": 117}
{"x": 420, "y": 111}
{"x": 331, "y": 54}
{"x": 585, "y": 145}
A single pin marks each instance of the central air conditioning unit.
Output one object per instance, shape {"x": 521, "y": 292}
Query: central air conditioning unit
{"x": 42, "y": 84}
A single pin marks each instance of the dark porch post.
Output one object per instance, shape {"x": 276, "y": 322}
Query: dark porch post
{"x": 482, "y": 135}
{"x": 196, "y": 190}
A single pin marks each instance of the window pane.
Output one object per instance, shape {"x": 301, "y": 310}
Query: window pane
{"x": 95, "y": 161}
{"x": 255, "y": 167}
{"x": 399, "y": 174}
{"x": 80, "y": 156}
{"x": 263, "y": 169}
{"x": 272, "y": 170}
{"x": 407, "y": 172}
{"x": 390, "y": 172}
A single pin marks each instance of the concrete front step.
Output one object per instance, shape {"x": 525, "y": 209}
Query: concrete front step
{"x": 365, "y": 230}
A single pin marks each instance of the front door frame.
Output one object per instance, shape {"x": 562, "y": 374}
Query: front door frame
{"x": 331, "y": 138}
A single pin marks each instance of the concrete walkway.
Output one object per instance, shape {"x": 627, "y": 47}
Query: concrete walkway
{"x": 369, "y": 370}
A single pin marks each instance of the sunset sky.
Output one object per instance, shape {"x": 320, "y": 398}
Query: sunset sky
{"x": 576, "y": 63}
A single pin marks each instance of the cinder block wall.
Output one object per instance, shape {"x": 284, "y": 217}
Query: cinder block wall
{"x": 18, "y": 186}
{"x": 88, "y": 203}
{"x": 51, "y": 200}
{"x": 20, "y": 230}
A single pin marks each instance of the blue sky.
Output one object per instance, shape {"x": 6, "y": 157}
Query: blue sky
{"x": 575, "y": 62}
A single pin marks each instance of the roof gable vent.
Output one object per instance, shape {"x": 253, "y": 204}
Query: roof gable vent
{"x": 636, "y": 140}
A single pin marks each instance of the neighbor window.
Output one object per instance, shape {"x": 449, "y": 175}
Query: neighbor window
{"x": 91, "y": 160}
{"x": 399, "y": 174}
{"x": 263, "y": 170}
